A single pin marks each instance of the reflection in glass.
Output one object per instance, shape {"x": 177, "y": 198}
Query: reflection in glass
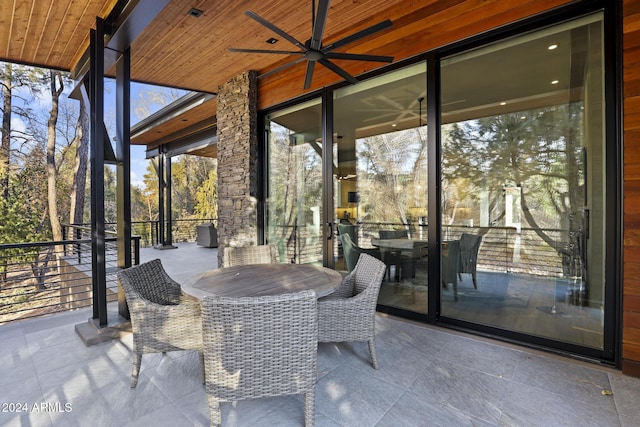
{"x": 294, "y": 196}
{"x": 380, "y": 176}
{"x": 523, "y": 172}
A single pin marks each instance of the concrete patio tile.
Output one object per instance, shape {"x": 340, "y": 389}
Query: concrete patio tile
{"x": 489, "y": 358}
{"x": 472, "y": 392}
{"x": 563, "y": 377}
{"x": 415, "y": 410}
{"x": 525, "y": 405}
{"x": 350, "y": 398}
{"x": 427, "y": 377}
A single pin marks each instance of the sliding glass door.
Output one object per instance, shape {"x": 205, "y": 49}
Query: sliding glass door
{"x": 294, "y": 192}
{"x": 380, "y": 181}
{"x": 518, "y": 190}
{"x": 523, "y": 184}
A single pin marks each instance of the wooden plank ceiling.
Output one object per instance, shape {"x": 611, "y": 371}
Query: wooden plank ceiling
{"x": 49, "y": 34}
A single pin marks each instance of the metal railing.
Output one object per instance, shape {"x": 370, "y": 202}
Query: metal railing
{"x": 503, "y": 249}
{"x": 47, "y": 277}
{"x": 182, "y": 230}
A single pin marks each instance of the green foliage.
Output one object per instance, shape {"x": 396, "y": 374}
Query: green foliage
{"x": 392, "y": 174}
{"x": 538, "y": 151}
{"x": 207, "y": 197}
{"x": 193, "y": 185}
{"x": 23, "y": 215}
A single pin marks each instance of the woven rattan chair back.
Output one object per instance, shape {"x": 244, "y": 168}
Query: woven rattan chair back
{"x": 261, "y": 254}
{"x": 352, "y": 318}
{"x": 163, "y": 318}
{"x": 260, "y": 346}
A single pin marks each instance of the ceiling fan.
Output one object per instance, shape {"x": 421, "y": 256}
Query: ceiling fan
{"x": 313, "y": 51}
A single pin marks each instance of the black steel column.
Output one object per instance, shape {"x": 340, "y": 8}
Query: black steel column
{"x": 123, "y": 156}
{"x": 98, "y": 260}
{"x": 327, "y": 180}
{"x": 160, "y": 172}
{"x": 163, "y": 169}
{"x": 434, "y": 186}
{"x": 167, "y": 206}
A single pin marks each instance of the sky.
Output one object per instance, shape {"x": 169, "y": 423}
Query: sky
{"x": 140, "y": 93}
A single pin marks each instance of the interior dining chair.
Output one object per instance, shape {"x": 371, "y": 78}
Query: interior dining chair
{"x": 450, "y": 265}
{"x": 163, "y": 318}
{"x": 469, "y": 247}
{"x": 348, "y": 314}
{"x": 260, "y": 346}
{"x": 261, "y": 254}
{"x": 352, "y": 252}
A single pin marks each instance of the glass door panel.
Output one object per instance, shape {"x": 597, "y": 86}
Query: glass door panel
{"x": 523, "y": 184}
{"x": 294, "y": 195}
{"x": 380, "y": 181}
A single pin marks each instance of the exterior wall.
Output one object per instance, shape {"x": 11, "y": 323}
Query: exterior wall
{"x": 237, "y": 161}
{"x": 432, "y": 24}
{"x": 439, "y": 31}
{"x": 631, "y": 189}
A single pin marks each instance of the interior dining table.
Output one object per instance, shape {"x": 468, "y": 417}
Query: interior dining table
{"x": 403, "y": 252}
{"x": 400, "y": 243}
{"x": 254, "y": 280}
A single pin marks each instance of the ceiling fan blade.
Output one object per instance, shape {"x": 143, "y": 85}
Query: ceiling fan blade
{"x": 339, "y": 71}
{"x": 309, "y": 74}
{"x": 359, "y": 35}
{"x": 282, "y": 67}
{"x": 279, "y": 52}
{"x": 358, "y": 57}
{"x": 275, "y": 29}
{"x": 318, "y": 25}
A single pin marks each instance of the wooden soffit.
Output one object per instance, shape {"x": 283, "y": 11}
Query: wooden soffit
{"x": 50, "y": 34}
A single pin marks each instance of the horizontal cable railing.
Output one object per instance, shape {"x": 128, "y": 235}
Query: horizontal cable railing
{"x": 182, "y": 230}
{"x": 46, "y": 277}
{"x": 503, "y": 249}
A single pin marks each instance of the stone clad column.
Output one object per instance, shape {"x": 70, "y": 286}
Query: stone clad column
{"x": 237, "y": 162}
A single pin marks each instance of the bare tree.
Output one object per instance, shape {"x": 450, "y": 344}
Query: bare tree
{"x": 56, "y": 86}
{"x": 5, "y": 151}
{"x": 76, "y": 213}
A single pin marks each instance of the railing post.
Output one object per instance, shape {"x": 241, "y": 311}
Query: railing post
{"x": 78, "y": 236}
{"x": 136, "y": 250}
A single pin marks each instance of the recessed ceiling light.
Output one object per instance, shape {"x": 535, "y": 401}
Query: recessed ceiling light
{"x": 272, "y": 40}
{"x": 552, "y": 46}
{"x": 503, "y": 103}
{"x": 555, "y": 82}
{"x": 195, "y": 12}
{"x": 394, "y": 125}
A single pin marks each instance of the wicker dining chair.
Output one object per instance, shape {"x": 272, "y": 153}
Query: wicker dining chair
{"x": 260, "y": 346}
{"x": 261, "y": 254}
{"x": 163, "y": 318}
{"x": 348, "y": 314}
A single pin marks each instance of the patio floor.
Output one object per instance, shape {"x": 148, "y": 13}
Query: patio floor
{"x": 428, "y": 376}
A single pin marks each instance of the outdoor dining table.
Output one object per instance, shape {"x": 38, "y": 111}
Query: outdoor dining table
{"x": 263, "y": 279}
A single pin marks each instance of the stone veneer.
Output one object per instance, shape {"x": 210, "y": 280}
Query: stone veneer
{"x": 237, "y": 162}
